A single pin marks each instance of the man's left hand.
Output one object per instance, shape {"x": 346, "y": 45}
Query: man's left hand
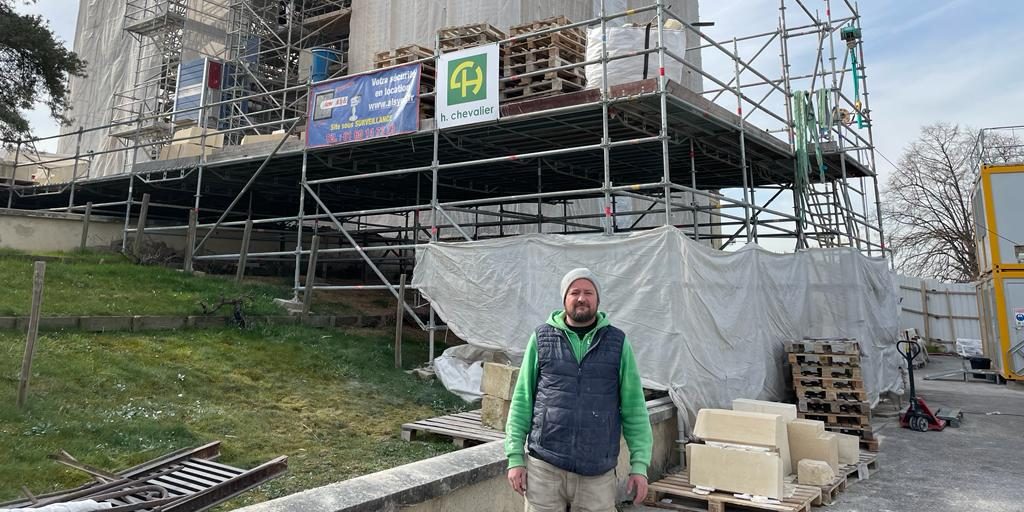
{"x": 639, "y": 483}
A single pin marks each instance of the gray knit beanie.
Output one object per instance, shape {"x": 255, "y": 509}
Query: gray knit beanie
{"x": 579, "y": 273}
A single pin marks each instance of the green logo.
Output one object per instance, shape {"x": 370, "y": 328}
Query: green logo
{"x": 467, "y": 79}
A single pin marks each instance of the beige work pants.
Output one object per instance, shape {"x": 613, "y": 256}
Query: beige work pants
{"x": 550, "y": 489}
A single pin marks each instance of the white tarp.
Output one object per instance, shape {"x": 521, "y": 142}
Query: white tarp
{"x": 627, "y": 40}
{"x": 709, "y": 326}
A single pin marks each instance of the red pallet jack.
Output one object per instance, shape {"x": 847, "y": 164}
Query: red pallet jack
{"x": 917, "y": 416}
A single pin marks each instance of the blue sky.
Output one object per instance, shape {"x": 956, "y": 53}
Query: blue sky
{"x": 954, "y": 60}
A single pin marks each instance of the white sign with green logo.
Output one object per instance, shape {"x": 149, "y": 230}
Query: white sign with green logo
{"x": 467, "y": 89}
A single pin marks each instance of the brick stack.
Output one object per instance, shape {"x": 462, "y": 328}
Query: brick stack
{"x": 410, "y": 53}
{"x": 829, "y": 386}
{"x": 536, "y": 53}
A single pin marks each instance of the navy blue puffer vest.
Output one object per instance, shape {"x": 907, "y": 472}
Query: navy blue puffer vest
{"x": 576, "y": 422}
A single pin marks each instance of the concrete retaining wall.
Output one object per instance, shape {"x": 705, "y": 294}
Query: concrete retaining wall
{"x": 467, "y": 480}
{"x": 40, "y": 231}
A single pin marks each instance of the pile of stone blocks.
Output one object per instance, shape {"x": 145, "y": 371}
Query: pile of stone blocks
{"x": 497, "y": 385}
{"x": 753, "y": 448}
{"x": 189, "y": 141}
{"x": 741, "y": 452}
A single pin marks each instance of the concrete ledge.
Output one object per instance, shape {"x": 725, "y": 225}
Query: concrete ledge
{"x": 204, "y": 322}
{"x": 392, "y": 489}
{"x": 8, "y": 322}
{"x": 157, "y": 323}
{"x": 339, "y": 321}
{"x": 56, "y": 323}
{"x": 318, "y": 321}
{"x": 106, "y": 323}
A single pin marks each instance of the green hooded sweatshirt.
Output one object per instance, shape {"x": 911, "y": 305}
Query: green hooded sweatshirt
{"x": 636, "y": 425}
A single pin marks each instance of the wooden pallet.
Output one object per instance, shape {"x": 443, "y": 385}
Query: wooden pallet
{"x": 534, "y": 26}
{"x": 828, "y": 383}
{"x": 839, "y": 420}
{"x": 811, "y": 346}
{"x": 853, "y": 395}
{"x": 538, "y": 89}
{"x": 831, "y": 491}
{"x": 467, "y": 36}
{"x": 871, "y": 445}
{"x": 541, "y": 64}
{"x": 401, "y": 55}
{"x": 463, "y": 428}
{"x": 680, "y": 492}
{"x": 833, "y": 407}
{"x": 562, "y": 40}
{"x": 824, "y": 360}
{"x": 834, "y": 372}
{"x": 853, "y": 472}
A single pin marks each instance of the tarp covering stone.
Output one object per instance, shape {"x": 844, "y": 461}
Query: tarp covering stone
{"x": 706, "y": 325}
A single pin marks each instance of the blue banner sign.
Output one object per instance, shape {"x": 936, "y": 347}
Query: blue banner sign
{"x": 366, "y": 106}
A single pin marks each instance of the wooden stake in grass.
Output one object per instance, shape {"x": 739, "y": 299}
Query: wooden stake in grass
{"x": 33, "y": 331}
{"x": 399, "y": 320}
{"x": 243, "y": 254}
{"x": 140, "y": 228}
{"x": 85, "y": 226}
{"x": 307, "y": 294}
{"x": 190, "y": 238}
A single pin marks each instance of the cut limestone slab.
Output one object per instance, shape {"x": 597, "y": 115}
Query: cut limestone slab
{"x": 735, "y": 470}
{"x": 849, "y": 448}
{"x": 814, "y": 472}
{"x": 499, "y": 380}
{"x": 494, "y": 412}
{"x": 740, "y": 427}
{"x": 805, "y": 442}
{"x": 788, "y": 413}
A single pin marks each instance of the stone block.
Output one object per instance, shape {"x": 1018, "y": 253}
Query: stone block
{"x": 740, "y": 427}
{"x": 494, "y": 412}
{"x": 788, "y": 413}
{"x": 105, "y": 323}
{"x": 499, "y": 380}
{"x": 814, "y": 472}
{"x": 158, "y": 323}
{"x": 8, "y": 322}
{"x": 806, "y": 442}
{"x": 282, "y": 320}
{"x": 732, "y": 469}
{"x": 56, "y": 323}
{"x": 849, "y": 448}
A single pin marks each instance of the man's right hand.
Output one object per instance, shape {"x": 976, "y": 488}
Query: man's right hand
{"x": 517, "y": 478}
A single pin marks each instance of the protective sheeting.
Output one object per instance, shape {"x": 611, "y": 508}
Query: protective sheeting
{"x": 709, "y": 326}
{"x": 111, "y": 54}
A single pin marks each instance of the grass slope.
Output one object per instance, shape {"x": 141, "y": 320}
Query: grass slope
{"x": 330, "y": 400}
{"x": 110, "y": 284}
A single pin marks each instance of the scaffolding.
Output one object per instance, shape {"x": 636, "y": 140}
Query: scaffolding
{"x": 767, "y": 153}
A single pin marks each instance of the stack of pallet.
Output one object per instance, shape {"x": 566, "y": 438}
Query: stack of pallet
{"x": 468, "y": 36}
{"x": 541, "y": 52}
{"x": 405, "y": 55}
{"x": 830, "y": 387}
{"x": 497, "y": 385}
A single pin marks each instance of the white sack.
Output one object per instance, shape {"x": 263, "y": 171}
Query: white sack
{"x": 709, "y": 326}
{"x": 624, "y": 40}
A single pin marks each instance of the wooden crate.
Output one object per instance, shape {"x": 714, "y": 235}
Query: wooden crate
{"x": 678, "y": 489}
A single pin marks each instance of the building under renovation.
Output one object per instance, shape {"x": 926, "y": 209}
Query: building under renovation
{"x": 612, "y": 117}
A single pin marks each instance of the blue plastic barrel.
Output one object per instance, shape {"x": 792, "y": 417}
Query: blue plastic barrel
{"x": 322, "y": 59}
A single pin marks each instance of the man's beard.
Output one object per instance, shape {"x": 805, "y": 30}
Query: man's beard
{"x": 582, "y": 316}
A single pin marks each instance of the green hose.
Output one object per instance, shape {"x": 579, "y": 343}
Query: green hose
{"x": 856, "y": 87}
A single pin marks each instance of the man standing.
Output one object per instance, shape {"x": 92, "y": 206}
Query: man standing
{"x": 578, "y": 389}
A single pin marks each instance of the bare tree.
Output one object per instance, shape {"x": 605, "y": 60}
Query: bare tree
{"x": 927, "y": 205}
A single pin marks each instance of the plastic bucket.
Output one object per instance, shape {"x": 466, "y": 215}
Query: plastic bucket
{"x": 322, "y": 59}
